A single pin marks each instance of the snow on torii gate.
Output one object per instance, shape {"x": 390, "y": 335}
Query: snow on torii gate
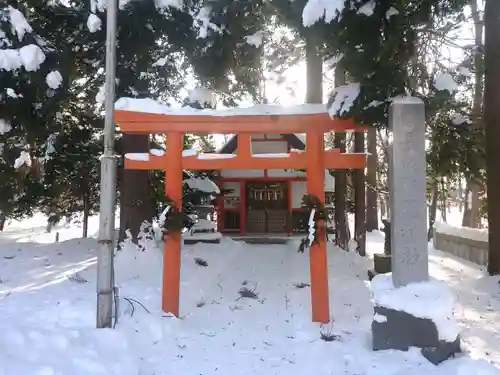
{"x": 310, "y": 119}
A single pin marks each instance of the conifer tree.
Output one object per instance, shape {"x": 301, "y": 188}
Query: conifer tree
{"x": 32, "y": 88}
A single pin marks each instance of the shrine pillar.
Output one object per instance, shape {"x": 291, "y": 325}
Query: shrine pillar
{"x": 318, "y": 255}
{"x": 244, "y": 150}
{"x": 173, "y": 242}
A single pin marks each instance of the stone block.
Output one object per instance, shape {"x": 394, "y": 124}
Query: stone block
{"x": 382, "y": 263}
{"x": 387, "y": 232}
{"x": 398, "y": 330}
{"x": 442, "y": 351}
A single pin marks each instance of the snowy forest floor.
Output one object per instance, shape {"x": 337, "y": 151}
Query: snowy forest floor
{"x": 47, "y": 311}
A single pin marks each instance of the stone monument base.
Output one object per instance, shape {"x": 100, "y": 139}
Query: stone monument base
{"x": 398, "y": 330}
{"x": 381, "y": 264}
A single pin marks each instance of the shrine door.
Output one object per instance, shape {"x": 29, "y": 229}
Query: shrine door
{"x": 267, "y": 207}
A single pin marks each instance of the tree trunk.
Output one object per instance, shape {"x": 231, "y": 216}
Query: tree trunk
{"x": 433, "y": 210}
{"x": 385, "y": 161}
{"x": 472, "y": 217}
{"x": 465, "y": 200}
{"x": 136, "y": 199}
{"x": 492, "y": 122}
{"x": 86, "y": 209}
{"x": 472, "y": 205}
{"x": 314, "y": 69}
{"x": 3, "y": 219}
{"x": 371, "y": 178}
{"x": 478, "y": 59}
{"x": 359, "y": 198}
{"x": 460, "y": 194}
{"x": 340, "y": 213}
{"x": 443, "y": 200}
{"x": 383, "y": 211}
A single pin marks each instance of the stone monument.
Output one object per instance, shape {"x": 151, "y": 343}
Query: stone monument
{"x": 408, "y": 192}
{"x": 397, "y": 328}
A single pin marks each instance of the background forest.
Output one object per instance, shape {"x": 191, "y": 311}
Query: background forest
{"x": 356, "y": 52}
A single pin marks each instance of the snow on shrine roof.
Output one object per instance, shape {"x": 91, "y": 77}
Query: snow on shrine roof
{"x": 153, "y": 106}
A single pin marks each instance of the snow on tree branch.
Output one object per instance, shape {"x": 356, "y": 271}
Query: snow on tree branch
{"x": 202, "y": 21}
{"x": 255, "y": 39}
{"x": 101, "y": 95}
{"x": 367, "y": 9}
{"x": 54, "y": 79}
{"x": 97, "y": 5}
{"x": 446, "y": 82}
{"x": 11, "y": 93}
{"x": 94, "y": 23}
{"x": 19, "y": 23}
{"x": 391, "y": 13}
{"x": 332, "y": 62}
{"x": 343, "y": 99}
{"x": 315, "y": 10}
{"x": 5, "y": 127}
{"x": 161, "y": 4}
{"x": 100, "y": 5}
{"x": 29, "y": 56}
{"x": 203, "y": 96}
{"x": 23, "y": 159}
{"x": 50, "y": 148}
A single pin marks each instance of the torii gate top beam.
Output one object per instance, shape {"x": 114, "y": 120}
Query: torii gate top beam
{"x": 309, "y": 119}
{"x": 133, "y": 118}
{"x": 133, "y": 122}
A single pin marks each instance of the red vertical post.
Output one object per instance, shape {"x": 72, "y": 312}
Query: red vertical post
{"x": 290, "y": 207}
{"x": 220, "y": 206}
{"x": 243, "y": 207}
{"x": 245, "y": 150}
{"x": 173, "y": 243}
{"x": 318, "y": 262}
{"x": 244, "y": 145}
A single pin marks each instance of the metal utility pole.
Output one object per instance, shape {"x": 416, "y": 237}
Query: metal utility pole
{"x": 108, "y": 182}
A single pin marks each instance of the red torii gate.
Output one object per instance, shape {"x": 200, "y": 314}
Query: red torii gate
{"x": 315, "y": 160}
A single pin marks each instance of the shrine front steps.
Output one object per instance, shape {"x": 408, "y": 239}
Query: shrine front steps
{"x": 194, "y": 241}
{"x": 251, "y": 239}
{"x": 265, "y": 239}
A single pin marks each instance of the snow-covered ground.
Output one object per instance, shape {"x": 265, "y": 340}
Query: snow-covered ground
{"x": 47, "y": 311}
{"x": 453, "y": 216}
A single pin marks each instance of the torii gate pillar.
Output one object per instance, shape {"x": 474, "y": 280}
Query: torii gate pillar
{"x": 173, "y": 242}
{"x": 318, "y": 261}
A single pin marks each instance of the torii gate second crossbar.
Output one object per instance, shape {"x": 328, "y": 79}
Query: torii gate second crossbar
{"x": 315, "y": 160}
